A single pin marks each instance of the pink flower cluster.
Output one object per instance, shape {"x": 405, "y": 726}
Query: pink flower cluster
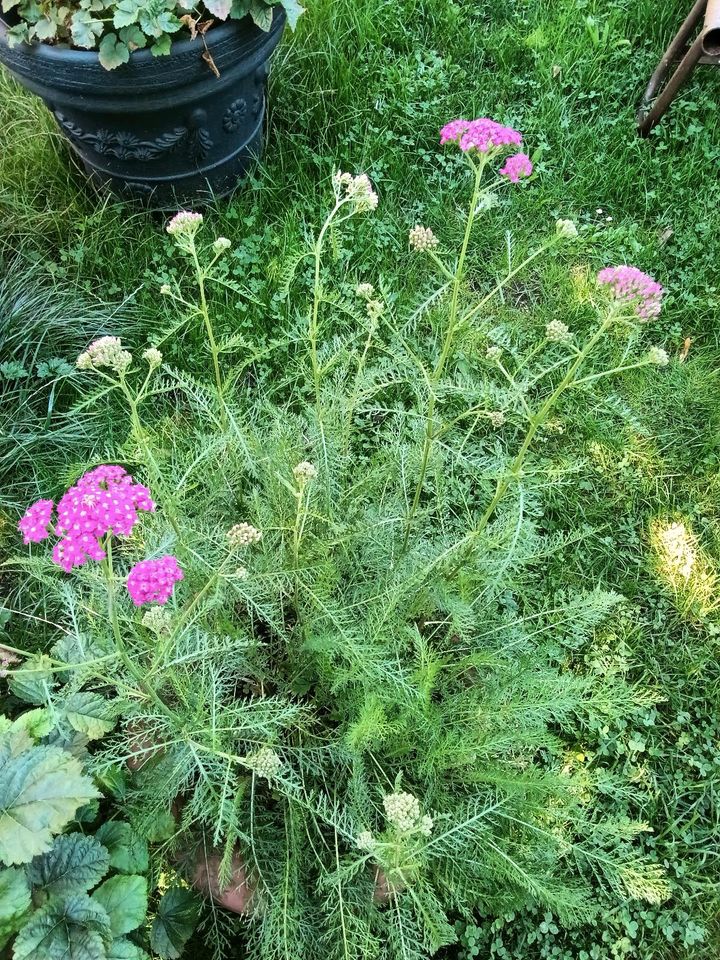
{"x": 631, "y": 285}
{"x": 516, "y": 166}
{"x": 104, "y": 500}
{"x": 36, "y": 520}
{"x": 482, "y": 134}
{"x": 151, "y": 581}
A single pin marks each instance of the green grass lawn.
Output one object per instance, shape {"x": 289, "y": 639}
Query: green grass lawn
{"x": 365, "y": 85}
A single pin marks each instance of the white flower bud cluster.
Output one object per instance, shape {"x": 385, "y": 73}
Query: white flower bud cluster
{"x": 422, "y": 239}
{"x": 558, "y": 332}
{"x": 365, "y": 841}
{"x": 158, "y": 620}
{"x": 496, "y": 418}
{"x": 241, "y": 573}
{"x": 243, "y": 535}
{"x": 105, "y": 352}
{"x": 358, "y": 189}
{"x": 658, "y": 356}
{"x": 265, "y": 762}
{"x": 221, "y": 245}
{"x": 364, "y": 291}
{"x": 493, "y": 353}
{"x": 166, "y": 289}
{"x": 153, "y": 357}
{"x": 184, "y": 223}
{"x": 402, "y": 810}
{"x": 566, "y": 229}
{"x": 304, "y": 472}
{"x": 426, "y": 825}
{"x": 375, "y": 309}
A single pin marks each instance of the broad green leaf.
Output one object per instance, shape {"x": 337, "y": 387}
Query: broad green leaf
{"x": 162, "y": 828}
{"x": 122, "y": 949}
{"x": 40, "y": 790}
{"x": 33, "y": 681}
{"x": 17, "y": 34}
{"x": 128, "y": 852}
{"x": 85, "y": 29}
{"x": 69, "y": 928}
{"x": 14, "y": 901}
{"x": 38, "y": 722}
{"x": 162, "y": 46}
{"x": 125, "y": 901}
{"x": 262, "y": 15}
{"x": 45, "y": 29}
{"x": 294, "y": 11}
{"x": 219, "y": 8}
{"x": 126, "y": 12}
{"x": 133, "y": 37}
{"x": 112, "y": 52}
{"x": 177, "y": 916}
{"x": 90, "y": 714}
{"x": 73, "y": 864}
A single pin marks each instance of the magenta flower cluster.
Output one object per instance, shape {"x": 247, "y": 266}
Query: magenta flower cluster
{"x": 482, "y": 134}
{"x": 36, "y": 520}
{"x": 630, "y": 285}
{"x": 517, "y": 166}
{"x": 152, "y": 581}
{"x": 485, "y": 135}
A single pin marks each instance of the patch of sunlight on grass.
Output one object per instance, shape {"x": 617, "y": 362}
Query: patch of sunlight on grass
{"x": 684, "y": 567}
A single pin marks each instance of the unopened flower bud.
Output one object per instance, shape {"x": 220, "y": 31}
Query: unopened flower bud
{"x": 658, "y": 356}
{"x": 422, "y": 239}
{"x": 221, "y": 245}
{"x": 153, "y": 356}
{"x": 566, "y": 229}
{"x": 558, "y": 332}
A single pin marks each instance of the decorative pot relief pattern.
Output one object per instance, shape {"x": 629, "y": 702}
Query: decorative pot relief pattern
{"x": 126, "y": 146}
{"x": 234, "y": 115}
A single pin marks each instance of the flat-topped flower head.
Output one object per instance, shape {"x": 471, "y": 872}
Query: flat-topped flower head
{"x": 105, "y": 352}
{"x": 422, "y": 239}
{"x": 304, "y": 472}
{"x": 364, "y": 291}
{"x": 481, "y": 135}
{"x": 243, "y": 535}
{"x": 185, "y": 223}
{"x": 153, "y": 357}
{"x": 630, "y": 285}
{"x": 566, "y": 229}
{"x": 402, "y": 810}
{"x": 152, "y": 581}
{"x": 658, "y": 357}
{"x": 104, "y": 501}
{"x": 558, "y": 332}
{"x": 358, "y": 190}
{"x": 221, "y": 245}
{"x": 35, "y": 522}
{"x": 517, "y": 166}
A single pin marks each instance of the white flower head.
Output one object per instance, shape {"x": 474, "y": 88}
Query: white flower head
{"x": 105, "y": 352}
{"x": 558, "y": 332}
{"x": 566, "y": 229}
{"x": 422, "y": 239}
{"x": 265, "y": 762}
{"x": 493, "y": 353}
{"x": 185, "y": 223}
{"x": 153, "y": 356}
{"x": 359, "y": 190}
{"x": 158, "y": 620}
{"x": 497, "y": 418}
{"x": 304, "y": 472}
{"x": 243, "y": 535}
{"x": 221, "y": 245}
{"x": 365, "y": 841}
{"x": 658, "y": 356}
{"x": 364, "y": 291}
{"x": 166, "y": 289}
{"x": 402, "y": 810}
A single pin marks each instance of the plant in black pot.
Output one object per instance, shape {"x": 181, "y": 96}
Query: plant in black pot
{"x": 159, "y": 100}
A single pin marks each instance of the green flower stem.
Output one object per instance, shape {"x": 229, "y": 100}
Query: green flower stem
{"x": 439, "y": 368}
{"x": 201, "y": 276}
{"x": 138, "y": 674}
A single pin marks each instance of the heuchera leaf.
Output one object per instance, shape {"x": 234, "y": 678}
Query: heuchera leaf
{"x": 84, "y": 29}
{"x": 126, "y": 12}
{"x": 70, "y": 927}
{"x": 122, "y": 949}
{"x": 175, "y": 922}
{"x": 40, "y": 790}
{"x": 125, "y": 901}
{"x": 133, "y": 37}
{"x": 33, "y": 681}
{"x": 73, "y": 864}
{"x": 128, "y": 852}
{"x": 262, "y": 15}
{"x": 113, "y": 52}
{"x": 14, "y": 901}
{"x": 90, "y": 714}
{"x": 219, "y": 8}
{"x": 293, "y": 10}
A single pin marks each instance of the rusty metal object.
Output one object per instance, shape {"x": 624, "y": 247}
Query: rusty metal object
{"x": 704, "y": 49}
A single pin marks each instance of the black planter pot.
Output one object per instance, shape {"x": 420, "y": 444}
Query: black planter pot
{"x": 163, "y": 129}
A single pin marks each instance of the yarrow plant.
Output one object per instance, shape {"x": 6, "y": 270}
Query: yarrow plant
{"x": 361, "y": 735}
{"x": 632, "y": 286}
